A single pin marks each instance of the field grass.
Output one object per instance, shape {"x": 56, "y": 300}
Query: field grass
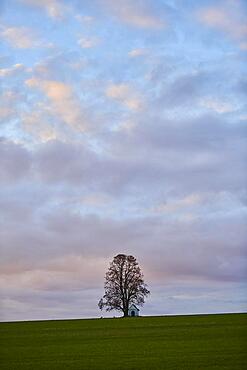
{"x": 147, "y": 343}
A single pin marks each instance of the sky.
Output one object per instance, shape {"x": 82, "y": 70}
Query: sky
{"x": 122, "y": 130}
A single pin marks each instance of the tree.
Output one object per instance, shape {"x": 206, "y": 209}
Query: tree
{"x": 124, "y": 285}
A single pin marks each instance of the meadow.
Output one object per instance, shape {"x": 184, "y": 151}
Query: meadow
{"x": 148, "y": 343}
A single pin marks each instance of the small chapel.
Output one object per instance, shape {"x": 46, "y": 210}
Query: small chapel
{"x": 133, "y": 311}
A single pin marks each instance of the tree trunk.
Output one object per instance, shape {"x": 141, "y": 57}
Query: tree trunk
{"x": 126, "y": 313}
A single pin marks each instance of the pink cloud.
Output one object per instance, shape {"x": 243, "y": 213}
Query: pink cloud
{"x": 228, "y": 17}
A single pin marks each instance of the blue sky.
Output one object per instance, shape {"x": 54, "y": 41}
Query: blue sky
{"x": 123, "y": 130}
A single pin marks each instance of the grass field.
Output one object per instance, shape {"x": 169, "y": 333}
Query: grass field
{"x": 173, "y": 342}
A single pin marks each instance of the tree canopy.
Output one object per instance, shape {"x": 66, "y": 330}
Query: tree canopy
{"x": 124, "y": 285}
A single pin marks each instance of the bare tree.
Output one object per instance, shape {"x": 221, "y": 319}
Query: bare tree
{"x": 124, "y": 285}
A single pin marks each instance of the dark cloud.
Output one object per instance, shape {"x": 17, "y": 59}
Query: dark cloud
{"x": 62, "y": 232}
{"x": 15, "y": 161}
{"x": 61, "y": 162}
{"x": 185, "y": 89}
{"x": 206, "y": 153}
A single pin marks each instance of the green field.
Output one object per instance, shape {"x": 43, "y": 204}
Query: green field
{"x": 172, "y": 342}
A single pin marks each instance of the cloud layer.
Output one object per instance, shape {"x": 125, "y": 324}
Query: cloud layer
{"x": 122, "y": 130}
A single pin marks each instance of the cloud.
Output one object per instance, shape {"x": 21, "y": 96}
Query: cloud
{"x": 54, "y": 66}
{"x": 15, "y": 161}
{"x": 97, "y": 199}
{"x": 20, "y": 37}
{"x": 88, "y": 42}
{"x": 125, "y": 95}
{"x": 84, "y": 19}
{"x": 243, "y": 45}
{"x": 8, "y": 101}
{"x": 135, "y": 13}
{"x": 184, "y": 89}
{"x": 55, "y": 90}
{"x": 228, "y": 17}
{"x": 187, "y": 254}
{"x": 64, "y": 235}
{"x": 217, "y": 105}
{"x": 195, "y": 153}
{"x": 175, "y": 205}
{"x": 137, "y": 52}
{"x": 16, "y": 68}
{"x": 38, "y": 124}
{"x": 67, "y": 272}
{"x": 64, "y": 162}
{"x": 123, "y": 153}
{"x": 54, "y": 8}
{"x": 64, "y": 103}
